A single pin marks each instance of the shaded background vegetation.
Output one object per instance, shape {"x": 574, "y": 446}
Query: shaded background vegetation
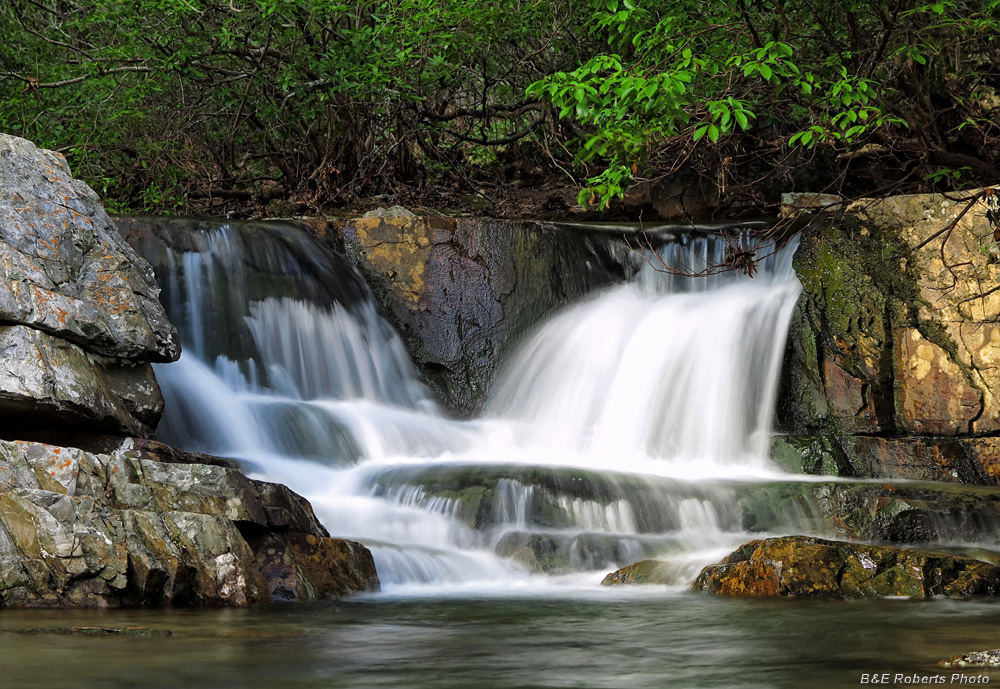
{"x": 505, "y": 107}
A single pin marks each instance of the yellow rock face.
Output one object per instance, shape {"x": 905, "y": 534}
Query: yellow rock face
{"x": 933, "y": 394}
{"x": 946, "y": 371}
{"x": 399, "y": 249}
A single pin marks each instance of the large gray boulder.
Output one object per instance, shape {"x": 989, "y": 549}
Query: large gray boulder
{"x": 79, "y": 306}
{"x": 145, "y": 524}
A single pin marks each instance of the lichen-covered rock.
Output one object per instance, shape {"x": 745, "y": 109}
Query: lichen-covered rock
{"x": 79, "y": 308}
{"x": 462, "y": 291}
{"x": 804, "y": 567}
{"x": 837, "y": 377}
{"x": 143, "y": 525}
{"x": 66, "y": 270}
{"x": 894, "y": 333}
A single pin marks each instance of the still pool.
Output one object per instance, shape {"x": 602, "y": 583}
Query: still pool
{"x": 618, "y": 640}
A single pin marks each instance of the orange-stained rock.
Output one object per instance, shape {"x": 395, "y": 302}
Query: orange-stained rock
{"x": 65, "y": 270}
{"x": 806, "y": 567}
{"x": 934, "y": 396}
{"x": 896, "y": 329}
{"x": 302, "y": 566}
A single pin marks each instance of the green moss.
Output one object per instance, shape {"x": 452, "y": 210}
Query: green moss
{"x": 855, "y": 293}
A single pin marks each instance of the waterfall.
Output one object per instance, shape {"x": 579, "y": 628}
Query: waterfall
{"x": 670, "y": 367}
{"x": 621, "y": 429}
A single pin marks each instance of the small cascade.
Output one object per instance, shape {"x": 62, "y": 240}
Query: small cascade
{"x": 631, "y": 425}
{"x": 314, "y": 352}
{"x": 670, "y": 367}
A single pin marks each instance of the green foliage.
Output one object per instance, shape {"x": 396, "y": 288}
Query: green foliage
{"x": 323, "y": 99}
{"x": 161, "y": 102}
{"x": 948, "y": 174}
{"x": 835, "y": 75}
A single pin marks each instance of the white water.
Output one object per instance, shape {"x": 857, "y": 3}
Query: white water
{"x": 605, "y": 441}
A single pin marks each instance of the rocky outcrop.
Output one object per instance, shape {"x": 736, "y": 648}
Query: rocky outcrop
{"x": 920, "y": 458}
{"x": 803, "y": 567}
{"x": 101, "y": 520}
{"x": 463, "y": 291}
{"x": 79, "y": 311}
{"x": 47, "y": 381}
{"x": 148, "y": 525}
{"x": 895, "y": 332}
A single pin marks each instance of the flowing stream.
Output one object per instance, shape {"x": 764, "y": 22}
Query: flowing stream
{"x": 623, "y": 428}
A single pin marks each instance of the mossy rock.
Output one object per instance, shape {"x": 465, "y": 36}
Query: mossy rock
{"x": 805, "y": 567}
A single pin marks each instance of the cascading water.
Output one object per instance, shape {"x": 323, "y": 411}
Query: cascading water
{"x": 671, "y": 367}
{"x": 621, "y": 431}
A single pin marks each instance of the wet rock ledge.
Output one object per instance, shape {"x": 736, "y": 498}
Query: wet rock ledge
{"x": 90, "y": 516}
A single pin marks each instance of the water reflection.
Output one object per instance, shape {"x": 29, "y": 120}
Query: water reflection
{"x": 607, "y": 639}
